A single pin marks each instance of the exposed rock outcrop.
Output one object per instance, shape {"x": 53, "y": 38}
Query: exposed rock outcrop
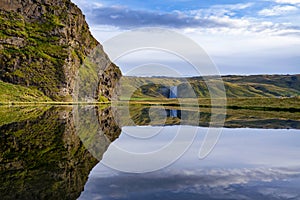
{"x": 43, "y": 43}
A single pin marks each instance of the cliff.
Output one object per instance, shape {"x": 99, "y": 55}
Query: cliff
{"x": 43, "y": 43}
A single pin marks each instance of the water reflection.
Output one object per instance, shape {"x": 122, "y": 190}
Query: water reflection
{"x": 41, "y": 156}
{"x": 96, "y": 128}
{"x": 143, "y": 115}
{"x": 48, "y": 152}
{"x": 174, "y": 113}
{"x": 246, "y": 164}
{"x": 257, "y": 184}
{"x": 44, "y": 152}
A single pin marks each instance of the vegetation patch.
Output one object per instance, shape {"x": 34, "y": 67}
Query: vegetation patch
{"x": 10, "y": 93}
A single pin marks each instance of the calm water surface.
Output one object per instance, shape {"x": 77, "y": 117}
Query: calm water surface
{"x": 245, "y": 164}
{"x": 66, "y": 153}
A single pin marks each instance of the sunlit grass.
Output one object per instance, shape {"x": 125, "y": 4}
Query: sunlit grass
{"x": 292, "y": 104}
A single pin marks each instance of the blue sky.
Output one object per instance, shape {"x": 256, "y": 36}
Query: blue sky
{"x": 241, "y": 37}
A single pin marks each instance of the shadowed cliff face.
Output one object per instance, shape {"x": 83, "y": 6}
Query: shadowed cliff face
{"x": 43, "y": 43}
{"x": 97, "y": 77}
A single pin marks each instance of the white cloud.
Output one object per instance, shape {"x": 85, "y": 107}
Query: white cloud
{"x": 226, "y": 183}
{"x": 98, "y": 5}
{"x": 277, "y": 10}
{"x": 294, "y": 2}
{"x": 219, "y": 10}
{"x": 217, "y": 18}
{"x": 231, "y": 22}
{"x": 246, "y": 27}
{"x": 239, "y": 6}
{"x": 237, "y": 35}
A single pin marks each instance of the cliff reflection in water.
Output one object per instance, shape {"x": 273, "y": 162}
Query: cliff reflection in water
{"x": 43, "y": 152}
{"x": 96, "y": 128}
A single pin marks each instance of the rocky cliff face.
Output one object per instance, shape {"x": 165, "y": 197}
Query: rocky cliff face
{"x": 43, "y": 43}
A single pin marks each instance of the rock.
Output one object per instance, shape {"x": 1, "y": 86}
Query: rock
{"x": 54, "y": 31}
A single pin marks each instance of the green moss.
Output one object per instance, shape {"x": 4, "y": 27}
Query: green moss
{"x": 11, "y": 93}
{"x": 41, "y": 59}
{"x": 46, "y": 42}
{"x": 88, "y": 79}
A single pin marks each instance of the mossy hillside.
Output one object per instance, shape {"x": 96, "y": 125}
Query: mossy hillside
{"x": 45, "y": 49}
{"x": 87, "y": 80}
{"x": 16, "y": 93}
{"x": 91, "y": 87}
{"x": 38, "y": 62}
{"x": 145, "y": 87}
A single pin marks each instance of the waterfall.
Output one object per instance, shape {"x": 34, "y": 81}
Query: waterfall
{"x": 173, "y": 92}
{"x": 173, "y": 95}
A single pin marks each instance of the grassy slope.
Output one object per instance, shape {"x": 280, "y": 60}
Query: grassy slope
{"x": 261, "y": 104}
{"x": 41, "y": 58}
{"x": 236, "y": 86}
{"x": 257, "y": 92}
{"x": 16, "y": 93}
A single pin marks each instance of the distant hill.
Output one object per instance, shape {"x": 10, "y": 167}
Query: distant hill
{"x": 236, "y": 86}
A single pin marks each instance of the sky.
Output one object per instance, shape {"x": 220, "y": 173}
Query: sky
{"x": 240, "y": 37}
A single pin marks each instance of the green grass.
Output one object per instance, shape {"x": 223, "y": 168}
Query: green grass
{"x": 258, "y": 103}
{"x": 15, "y": 93}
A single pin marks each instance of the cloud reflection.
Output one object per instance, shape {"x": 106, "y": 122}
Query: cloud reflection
{"x": 245, "y": 183}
